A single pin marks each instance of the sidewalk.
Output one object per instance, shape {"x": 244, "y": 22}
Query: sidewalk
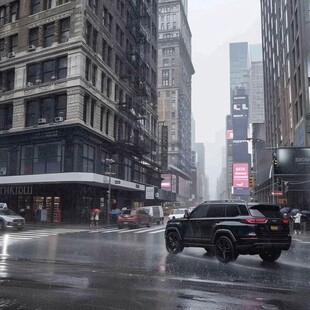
{"x": 42, "y": 225}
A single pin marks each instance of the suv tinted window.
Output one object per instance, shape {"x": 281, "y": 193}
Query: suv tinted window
{"x": 216, "y": 211}
{"x": 266, "y": 211}
{"x": 232, "y": 210}
{"x": 200, "y": 211}
{"x": 243, "y": 210}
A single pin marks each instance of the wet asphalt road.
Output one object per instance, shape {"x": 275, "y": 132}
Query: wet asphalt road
{"x": 82, "y": 268}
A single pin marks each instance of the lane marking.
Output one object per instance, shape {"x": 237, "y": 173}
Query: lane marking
{"x": 158, "y": 231}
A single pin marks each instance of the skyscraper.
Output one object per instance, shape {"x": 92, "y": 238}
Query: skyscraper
{"x": 175, "y": 70}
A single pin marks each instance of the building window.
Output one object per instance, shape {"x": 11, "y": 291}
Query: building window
{"x": 95, "y": 35}
{"x": 2, "y": 15}
{"x": 7, "y": 79}
{"x": 1, "y": 48}
{"x": 92, "y": 112}
{"x": 34, "y": 36}
{"x": 107, "y": 122}
{"x": 46, "y": 108}
{"x": 14, "y": 11}
{"x": 85, "y": 109}
{"x": 87, "y": 69}
{"x": 64, "y": 30}
{"x": 52, "y": 69}
{"x": 41, "y": 158}
{"x": 88, "y": 30}
{"x": 166, "y": 62}
{"x": 88, "y": 158}
{"x": 4, "y": 161}
{"x": 94, "y": 75}
{"x": 109, "y": 87}
{"x": 63, "y": 1}
{"x": 6, "y": 116}
{"x": 48, "y": 34}
{"x": 13, "y": 43}
{"x": 34, "y": 6}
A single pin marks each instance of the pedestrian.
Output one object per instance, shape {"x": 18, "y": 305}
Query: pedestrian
{"x": 297, "y": 223}
{"x": 92, "y": 218}
{"x": 96, "y": 218}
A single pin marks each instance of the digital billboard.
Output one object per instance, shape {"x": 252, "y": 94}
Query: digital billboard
{"x": 293, "y": 160}
{"x": 240, "y": 105}
{"x": 241, "y": 175}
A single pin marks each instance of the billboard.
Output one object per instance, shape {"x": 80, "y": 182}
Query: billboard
{"x": 240, "y": 125}
{"x": 241, "y": 175}
{"x": 293, "y": 160}
{"x": 240, "y": 105}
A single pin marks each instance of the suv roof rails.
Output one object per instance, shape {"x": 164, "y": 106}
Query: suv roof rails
{"x": 226, "y": 200}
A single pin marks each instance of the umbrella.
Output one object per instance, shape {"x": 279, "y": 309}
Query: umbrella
{"x": 294, "y": 211}
{"x": 285, "y": 210}
{"x": 95, "y": 210}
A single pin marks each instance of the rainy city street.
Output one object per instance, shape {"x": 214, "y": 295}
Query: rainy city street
{"x": 107, "y": 268}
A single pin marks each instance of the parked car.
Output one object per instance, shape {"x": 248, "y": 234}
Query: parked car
{"x": 133, "y": 218}
{"x": 229, "y": 228}
{"x": 156, "y": 213}
{"x": 177, "y": 213}
{"x": 3, "y": 205}
{"x": 9, "y": 219}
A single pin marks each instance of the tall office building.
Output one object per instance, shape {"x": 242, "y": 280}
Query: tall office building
{"x": 78, "y": 88}
{"x": 238, "y": 158}
{"x": 286, "y": 59}
{"x": 175, "y": 71}
{"x": 286, "y": 50}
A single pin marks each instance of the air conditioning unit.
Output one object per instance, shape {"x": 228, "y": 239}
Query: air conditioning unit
{"x": 3, "y": 171}
{"x": 31, "y": 48}
{"x": 59, "y": 119}
{"x": 53, "y": 77}
{"x": 29, "y": 84}
{"x": 11, "y": 54}
{"x": 41, "y": 121}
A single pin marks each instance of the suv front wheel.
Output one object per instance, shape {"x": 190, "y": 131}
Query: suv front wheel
{"x": 225, "y": 250}
{"x": 270, "y": 256}
{"x": 173, "y": 243}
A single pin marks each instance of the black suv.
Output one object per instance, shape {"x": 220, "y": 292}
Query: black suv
{"x": 229, "y": 228}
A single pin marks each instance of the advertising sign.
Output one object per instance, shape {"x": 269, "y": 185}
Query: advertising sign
{"x": 293, "y": 160}
{"x": 240, "y": 105}
{"x": 241, "y": 175}
{"x": 240, "y": 125}
{"x": 149, "y": 192}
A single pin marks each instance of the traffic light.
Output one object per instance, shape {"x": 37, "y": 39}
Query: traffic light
{"x": 279, "y": 183}
{"x": 275, "y": 162}
{"x": 251, "y": 182}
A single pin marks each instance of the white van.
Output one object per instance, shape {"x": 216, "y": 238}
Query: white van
{"x": 156, "y": 213}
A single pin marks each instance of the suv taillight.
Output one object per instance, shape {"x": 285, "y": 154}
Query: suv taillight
{"x": 255, "y": 220}
{"x": 285, "y": 221}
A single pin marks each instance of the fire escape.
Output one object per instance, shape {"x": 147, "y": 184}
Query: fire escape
{"x": 133, "y": 137}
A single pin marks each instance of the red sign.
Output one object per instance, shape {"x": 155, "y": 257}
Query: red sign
{"x": 241, "y": 175}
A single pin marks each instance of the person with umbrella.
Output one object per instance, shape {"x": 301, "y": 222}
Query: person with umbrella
{"x": 297, "y": 223}
{"x": 96, "y": 216}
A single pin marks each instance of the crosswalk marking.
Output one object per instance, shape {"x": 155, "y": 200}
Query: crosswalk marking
{"x": 37, "y": 234}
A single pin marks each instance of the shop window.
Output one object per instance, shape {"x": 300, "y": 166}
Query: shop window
{"x": 88, "y": 158}
{"x": 6, "y": 116}
{"x": 41, "y": 158}
{"x": 4, "y": 161}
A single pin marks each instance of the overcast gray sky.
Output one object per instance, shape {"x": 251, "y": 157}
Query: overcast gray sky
{"x": 214, "y": 24}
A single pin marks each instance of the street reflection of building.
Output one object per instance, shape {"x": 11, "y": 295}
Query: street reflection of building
{"x": 175, "y": 70}
{"x": 78, "y": 86}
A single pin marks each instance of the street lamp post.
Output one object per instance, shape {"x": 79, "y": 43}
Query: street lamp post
{"x": 109, "y": 162}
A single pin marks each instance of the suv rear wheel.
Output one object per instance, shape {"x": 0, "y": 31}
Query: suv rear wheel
{"x": 225, "y": 250}
{"x": 173, "y": 243}
{"x": 270, "y": 256}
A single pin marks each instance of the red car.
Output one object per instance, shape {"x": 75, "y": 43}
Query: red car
{"x": 133, "y": 218}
